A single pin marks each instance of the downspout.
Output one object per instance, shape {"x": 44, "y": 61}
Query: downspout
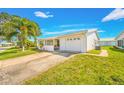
{"x": 86, "y": 41}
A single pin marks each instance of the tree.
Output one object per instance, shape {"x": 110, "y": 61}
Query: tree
{"x": 21, "y": 28}
{"x": 6, "y": 29}
{"x": 4, "y": 17}
{"x": 27, "y": 29}
{"x": 34, "y": 31}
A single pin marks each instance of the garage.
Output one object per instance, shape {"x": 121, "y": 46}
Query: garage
{"x": 73, "y": 44}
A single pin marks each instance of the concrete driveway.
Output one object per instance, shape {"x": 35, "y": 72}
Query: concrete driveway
{"x": 14, "y": 71}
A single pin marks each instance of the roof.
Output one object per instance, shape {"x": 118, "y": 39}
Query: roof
{"x": 107, "y": 39}
{"x": 72, "y": 33}
{"x": 119, "y": 35}
{"x": 48, "y": 38}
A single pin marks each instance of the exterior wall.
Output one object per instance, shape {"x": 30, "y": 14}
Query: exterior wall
{"x": 62, "y": 44}
{"x": 73, "y": 45}
{"x": 120, "y": 38}
{"x": 84, "y": 44}
{"x": 48, "y": 47}
{"x": 107, "y": 43}
{"x": 92, "y": 40}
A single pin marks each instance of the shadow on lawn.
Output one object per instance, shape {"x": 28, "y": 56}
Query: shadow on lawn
{"x": 117, "y": 50}
{"x": 6, "y": 53}
{"x": 64, "y": 53}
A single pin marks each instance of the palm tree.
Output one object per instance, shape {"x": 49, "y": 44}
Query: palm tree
{"x": 26, "y": 29}
{"x": 22, "y": 29}
{"x": 34, "y": 31}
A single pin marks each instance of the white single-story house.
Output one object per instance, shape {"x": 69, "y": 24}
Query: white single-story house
{"x": 4, "y": 43}
{"x": 120, "y": 40}
{"x": 107, "y": 42}
{"x": 80, "y": 41}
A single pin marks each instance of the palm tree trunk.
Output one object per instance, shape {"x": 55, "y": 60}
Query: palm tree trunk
{"x": 23, "y": 48}
{"x": 37, "y": 44}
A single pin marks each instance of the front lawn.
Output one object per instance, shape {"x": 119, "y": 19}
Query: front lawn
{"x": 86, "y": 69}
{"x": 15, "y": 52}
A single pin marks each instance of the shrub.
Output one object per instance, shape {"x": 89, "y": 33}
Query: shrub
{"x": 30, "y": 44}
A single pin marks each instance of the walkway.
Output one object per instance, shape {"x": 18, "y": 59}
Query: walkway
{"x": 14, "y": 71}
{"x": 104, "y": 53}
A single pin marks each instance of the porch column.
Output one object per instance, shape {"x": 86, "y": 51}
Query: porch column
{"x": 44, "y": 42}
{"x": 53, "y": 42}
{"x": 38, "y": 44}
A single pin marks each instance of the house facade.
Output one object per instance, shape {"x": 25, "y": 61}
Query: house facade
{"x": 120, "y": 40}
{"x": 81, "y": 41}
{"x": 4, "y": 43}
{"x": 1, "y": 40}
{"x": 107, "y": 42}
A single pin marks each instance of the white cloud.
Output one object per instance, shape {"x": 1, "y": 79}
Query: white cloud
{"x": 65, "y": 31}
{"x": 77, "y": 25}
{"x": 42, "y": 14}
{"x": 114, "y": 15}
{"x": 101, "y": 31}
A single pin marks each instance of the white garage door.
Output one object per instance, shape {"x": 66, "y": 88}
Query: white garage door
{"x": 73, "y": 44}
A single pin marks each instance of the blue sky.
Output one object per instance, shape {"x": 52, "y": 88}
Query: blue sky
{"x": 58, "y": 21}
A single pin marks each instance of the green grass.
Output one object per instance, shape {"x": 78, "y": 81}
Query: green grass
{"x": 86, "y": 69}
{"x": 15, "y": 52}
{"x": 94, "y": 51}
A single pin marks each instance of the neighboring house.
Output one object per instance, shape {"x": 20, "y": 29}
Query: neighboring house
{"x": 107, "y": 42}
{"x": 4, "y": 43}
{"x": 81, "y": 41}
{"x": 1, "y": 40}
{"x": 120, "y": 40}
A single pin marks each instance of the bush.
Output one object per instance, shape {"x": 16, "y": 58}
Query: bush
{"x": 30, "y": 44}
{"x": 115, "y": 47}
{"x": 41, "y": 44}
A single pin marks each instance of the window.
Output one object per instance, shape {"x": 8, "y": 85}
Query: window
{"x": 78, "y": 38}
{"x": 67, "y": 38}
{"x": 74, "y": 38}
{"x": 49, "y": 42}
{"x": 120, "y": 43}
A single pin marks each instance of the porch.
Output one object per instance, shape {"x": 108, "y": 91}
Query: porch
{"x": 50, "y": 44}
